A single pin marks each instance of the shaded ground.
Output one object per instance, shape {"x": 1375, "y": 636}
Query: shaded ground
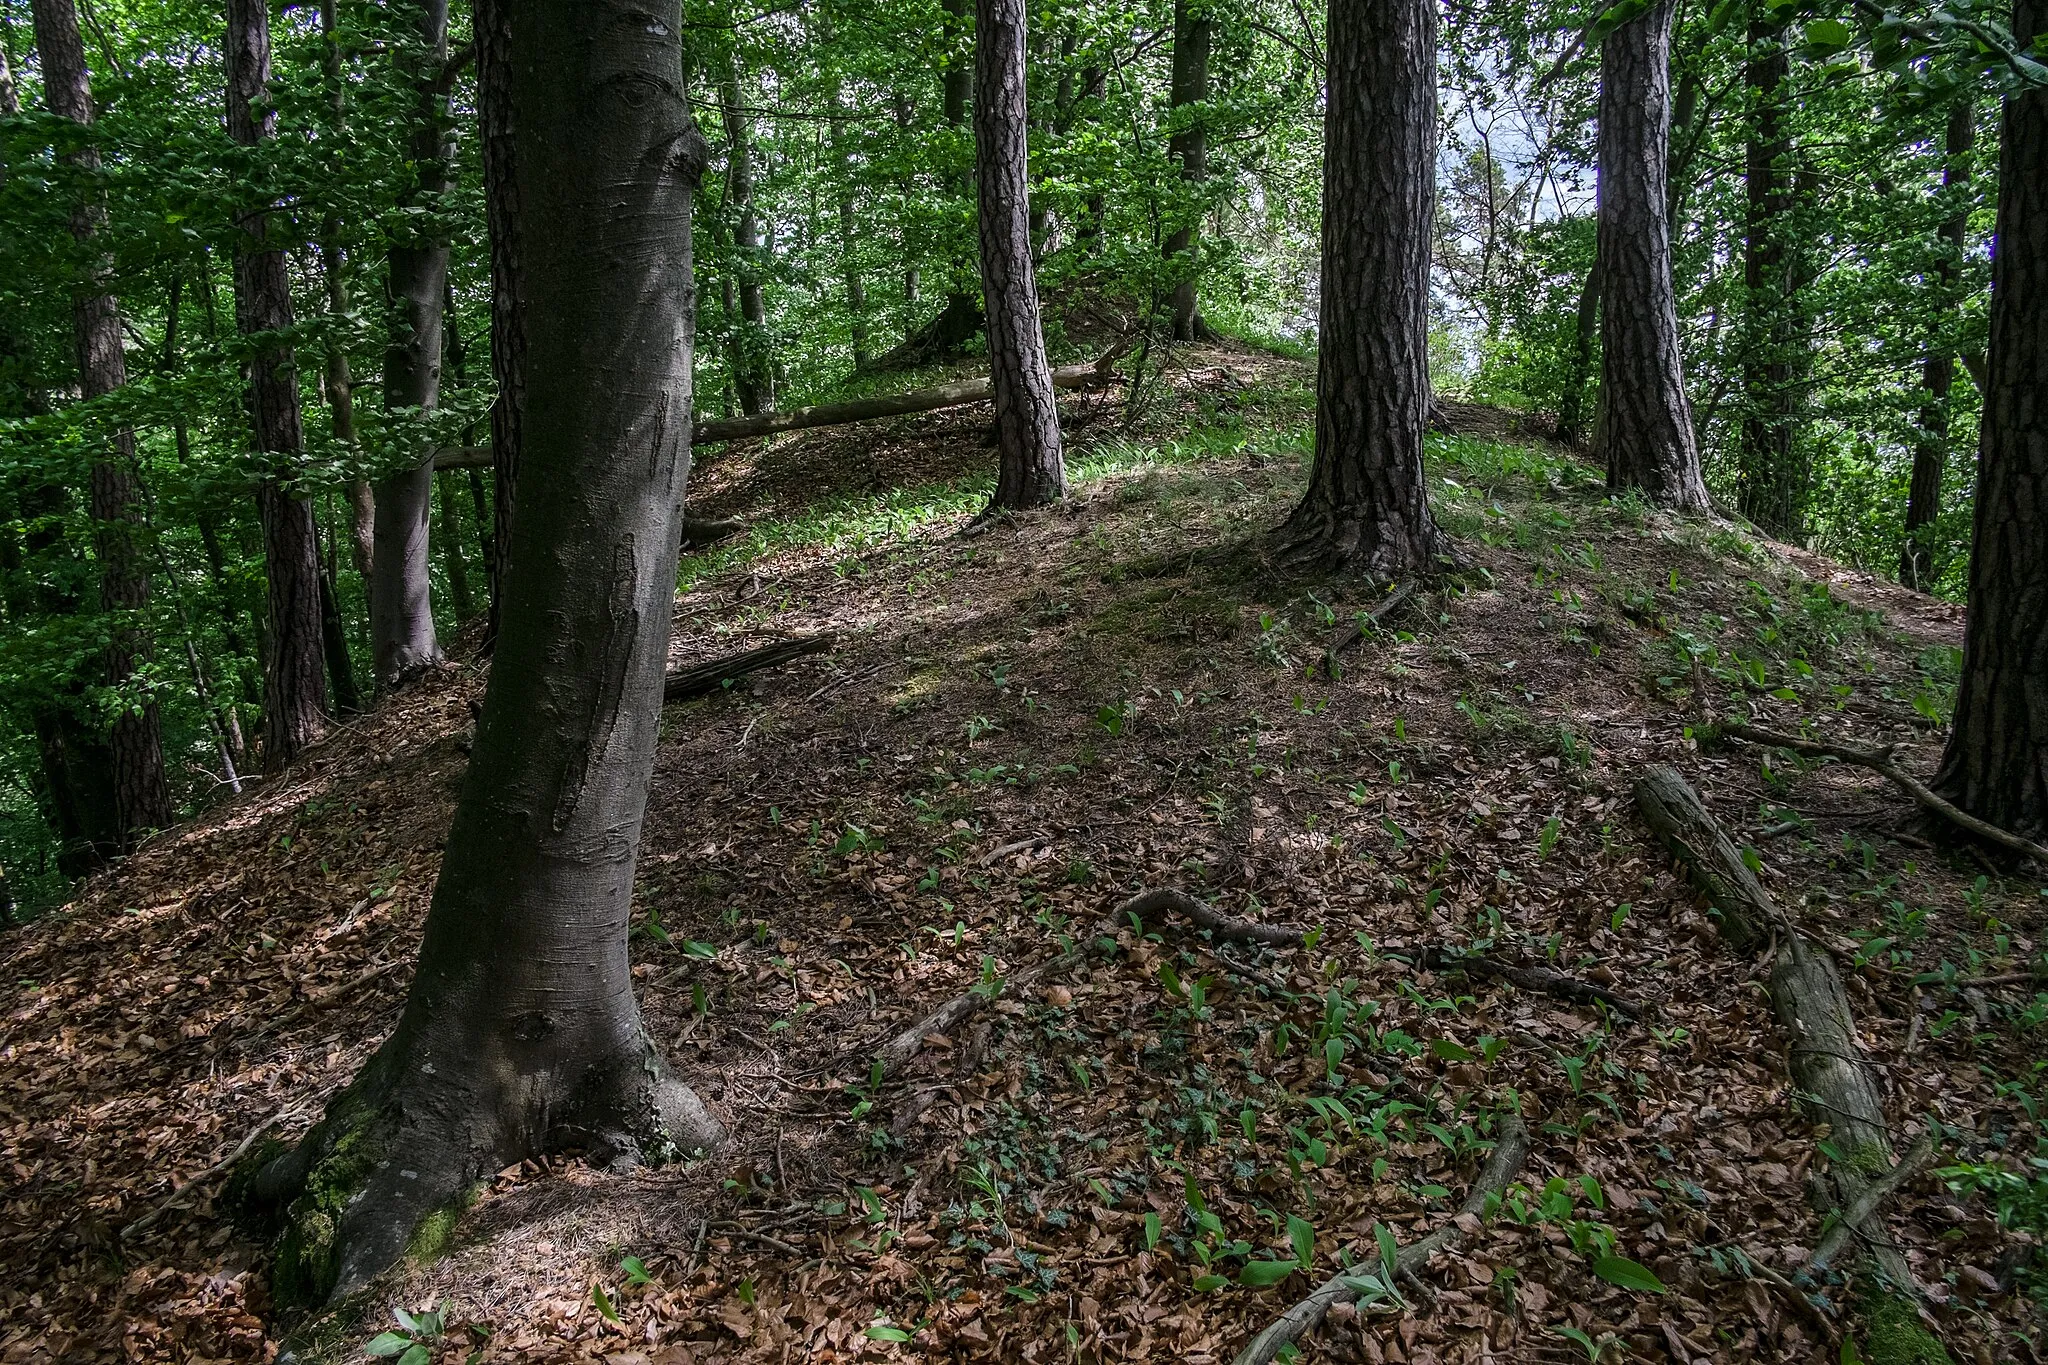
{"x": 1018, "y": 729}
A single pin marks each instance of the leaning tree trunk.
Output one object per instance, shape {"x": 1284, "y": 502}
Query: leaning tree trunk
{"x": 1996, "y": 766}
{"x": 521, "y": 1034}
{"x": 1771, "y": 477}
{"x": 1189, "y": 145}
{"x": 1646, "y": 424}
{"x": 1938, "y": 371}
{"x": 754, "y": 374}
{"x": 1366, "y": 509}
{"x": 142, "y": 800}
{"x": 492, "y": 20}
{"x": 294, "y": 690}
{"x": 1032, "y": 470}
{"x": 402, "y": 640}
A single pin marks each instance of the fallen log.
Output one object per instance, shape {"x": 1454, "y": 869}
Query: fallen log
{"x": 1529, "y": 976}
{"x": 1674, "y": 814}
{"x": 1206, "y": 916}
{"x": 703, "y": 679}
{"x": 1501, "y": 1167}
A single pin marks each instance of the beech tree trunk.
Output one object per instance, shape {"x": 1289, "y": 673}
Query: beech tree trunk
{"x": 492, "y": 20}
{"x": 1646, "y": 424}
{"x": 337, "y": 382}
{"x": 1938, "y": 372}
{"x": 402, "y": 639}
{"x": 849, "y": 236}
{"x": 1771, "y": 478}
{"x": 521, "y": 1034}
{"x": 1996, "y": 766}
{"x": 1032, "y": 470}
{"x": 1189, "y": 146}
{"x": 1366, "y": 510}
{"x": 142, "y": 800}
{"x": 753, "y": 371}
{"x": 294, "y": 690}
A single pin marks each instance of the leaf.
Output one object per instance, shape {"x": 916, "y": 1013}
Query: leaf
{"x": 387, "y": 1344}
{"x": 1205, "y": 1283}
{"x": 603, "y": 1302}
{"x": 416, "y": 1354}
{"x": 693, "y": 948}
{"x": 1390, "y": 1250}
{"x": 1628, "y": 1274}
{"x": 636, "y": 1270}
{"x": 1151, "y": 1231}
{"x": 1264, "y": 1274}
{"x": 1829, "y": 34}
{"x": 882, "y": 1331}
{"x": 1170, "y": 979}
{"x": 1301, "y": 1235}
{"x": 1849, "y": 1354}
{"x": 1452, "y": 1052}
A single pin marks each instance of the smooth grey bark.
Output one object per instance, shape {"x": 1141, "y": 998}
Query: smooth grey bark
{"x": 520, "y": 1034}
{"x": 1771, "y": 473}
{"x": 402, "y": 639}
{"x": 1996, "y": 764}
{"x": 142, "y": 800}
{"x": 1366, "y": 510}
{"x": 1193, "y": 30}
{"x": 337, "y": 383}
{"x": 1032, "y": 470}
{"x": 1645, "y": 426}
{"x": 491, "y": 21}
{"x": 1938, "y": 371}
{"x": 753, "y": 367}
{"x": 294, "y": 689}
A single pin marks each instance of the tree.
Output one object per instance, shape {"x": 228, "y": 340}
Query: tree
{"x": 1366, "y": 510}
{"x": 1996, "y": 764}
{"x": 1938, "y": 369}
{"x": 401, "y": 592}
{"x": 1645, "y": 424}
{"x": 520, "y": 1033}
{"x": 1771, "y": 472}
{"x": 1193, "y": 29}
{"x": 492, "y": 21}
{"x": 753, "y": 363}
{"x": 294, "y": 707}
{"x": 1032, "y": 470}
{"x": 142, "y": 800}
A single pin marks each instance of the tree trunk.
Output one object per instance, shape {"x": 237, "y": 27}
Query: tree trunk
{"x": 1938, "y": 372}
{"x": 142, "y": 800}
{"x": 1771, "y": 477}
{"x": 1027, "y": 417}
{"x": 337, "y": 382}
{"x": 956, "y": 91}
{"x": 849, "y": 235}
{"x": 450, "y": 532}
{"x": 1571, "y": 409}
{"x": 1996, "y": 767}
{"x": 754, "y": 374}
{"x": 1189, "y": 146}
{"x": 1366, "y": 509}
{"x": 341, "y": 669}
{"x": 402, "y": 637}
{"x": 1647, "y": 430}
{"x": 520, "y": 1034}
{"x": 294, "y": 708}
{"x": 492, "y": 22}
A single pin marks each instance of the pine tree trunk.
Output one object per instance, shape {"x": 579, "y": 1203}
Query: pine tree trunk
{"x": 294, "y": 690}
{"x": 1189, "y": 146}
{"x": 1938, "y": 372}
{"x": 754, "y": 375}
{"x": 1996, "y": 766}
{"x": 403, "y": 643}
{"x": 492, "y": 23}
{"x": 1647, "y": 434}
{"x": 1771, "y": 480}
{"x": 956, "y": 90}
{"x": 520, "y": 1034}
{"x": 142, "y": 800}
{"x": 1366, "y": 510}
{"x": 1032, "y": 470}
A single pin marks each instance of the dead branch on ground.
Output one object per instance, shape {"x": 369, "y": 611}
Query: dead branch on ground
{"x": 1529, "y": 976}
{"x": 1206, "y": 916}
{"x": 703, "y": 679}
{"x": 1353, "y": 633}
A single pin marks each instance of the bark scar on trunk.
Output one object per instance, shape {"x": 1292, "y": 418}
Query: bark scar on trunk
{"x": 622, "y": 631}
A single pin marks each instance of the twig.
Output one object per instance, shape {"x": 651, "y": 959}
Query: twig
{"x": 1355, "y": 632}
{"x": 995, "y": 855}
{"x": 895, "y": 1054}
{"x": 1208, "y": 917}
{"x": 761, "y": 1238}
{"x": 1529, "y": 976}
{"x": 1866, "y": 1203}
{"x": 1501, "y": 1167}
{"x": 170, "y": 1202}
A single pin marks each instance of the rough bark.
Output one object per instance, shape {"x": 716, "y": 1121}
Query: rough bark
{"x": 1032, "y": 470}
{"x": 402, "y": 639}
{"x": 492, "y": 23}
{"x": 753, "y": 369}
{"x": 1996, "y": 766}
{"x": 1646, "y": 423}
{"x": 1938, "y": 371}
{"x": 1771, "y": 470}
{"x": 142, "y": 799}
{"x": 1366, "y": 509}
{"x": 520, "y": 1034}
{"x": 1193, "y": 29}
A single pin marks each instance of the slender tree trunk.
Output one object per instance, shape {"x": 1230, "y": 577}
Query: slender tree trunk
{"x": 338, "y": 384}
{"x": 142, "y": 800}
{"x": 1027, "y": 417}
{"x": 492, "y": 22}
{"x": 1771, "y": 478}
{"x": 961, "y": 316}
{"x": 341, "y": 669}
{"x": 520, "y": 1034}
{"x": 403, "y": 643}
{"x": 450, "y": 532}
{"x": 849, "y": 235}
{"x": 1366, "y": 509}
{"x": 754, "y": 376}
{"x": 1571, "y": 411}
{"x": 1996, "y": 766}
{"x": 294, "y": 707}
{"x": 1189, "y": 145}
{"x": 1647, "y": 425}
{"x": 1938, "y": 372}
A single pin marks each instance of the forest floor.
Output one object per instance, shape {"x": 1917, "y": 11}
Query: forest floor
{"x": 1015, "y": 731}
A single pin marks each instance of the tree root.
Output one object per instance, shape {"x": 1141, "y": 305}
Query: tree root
{"x": 1501, "y": 1167}
{"x": 703, "y": 679}
{"x": 1885, "y": 762}
{"x": 897, "y": 1053}
{"x": 170, "y": 1201}
{"x": 1530, "y": 977}
{"x": 1206, "y": 916}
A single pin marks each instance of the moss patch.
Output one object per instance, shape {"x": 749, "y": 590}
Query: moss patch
{"x": 436, "y": 1232}
{"x": 308, "y": 1261}
{"x": 1895, "y": 1336}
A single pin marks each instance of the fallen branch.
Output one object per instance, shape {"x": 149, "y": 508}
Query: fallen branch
{"x": 1674, "y": 814}
{"x": 1530, "y": 977}
{"x": 1885, "y": 762}
{"x": 703, "y": 679}
{"x": 1355, "y": 632}
{"x": 704, "y": 531}
{"x": 1501, "y": 1167}
{"x": 897, "y": 1053}
{"x": 1867, "y": 1203}
{"x": 170, "y": 1201}
{"x": 1206, "y": 916}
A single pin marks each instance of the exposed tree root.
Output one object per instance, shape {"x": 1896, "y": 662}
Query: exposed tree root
{"x": 1501, "y": 1167}
{"x": 170, "y": 1201}
{"x": 1530, "y": 977}
{"x": 944, "y": 337}
{"x": 1206, "y": 916}
{"x": 703, "y": 679}
{"x": 1885, "y": 762}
